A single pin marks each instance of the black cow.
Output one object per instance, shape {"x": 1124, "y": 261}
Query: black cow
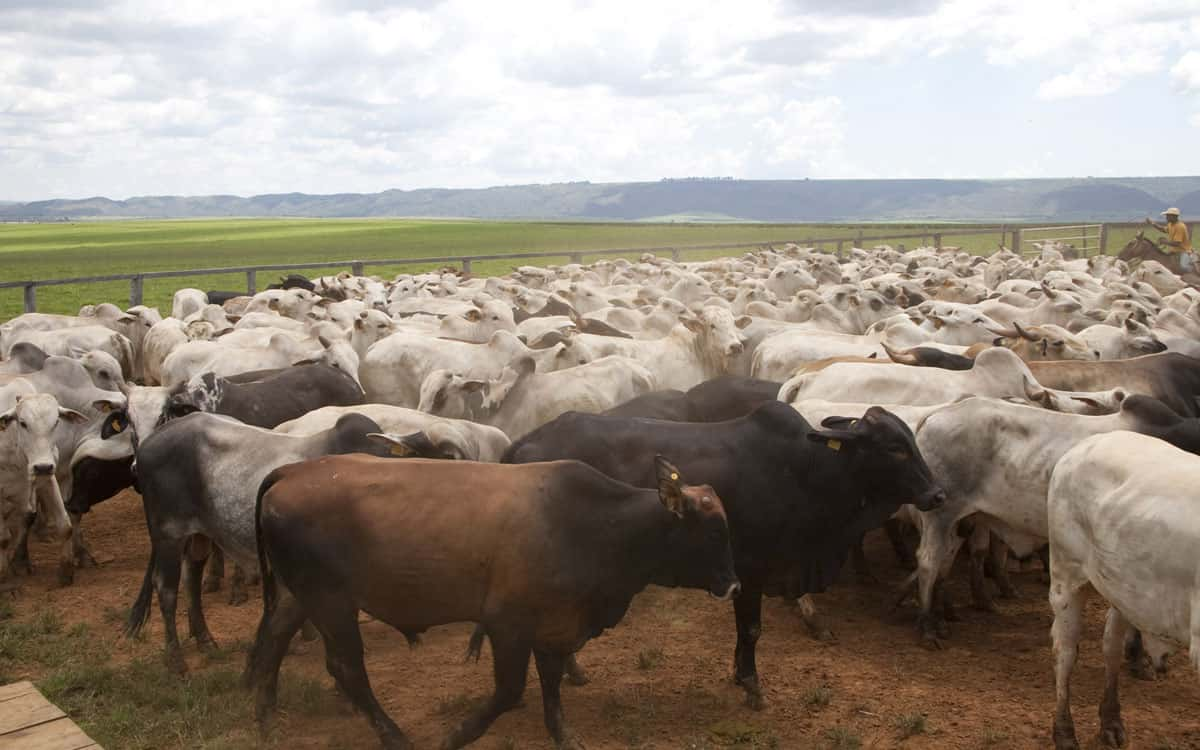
{"x": 717, "y": 400}
{"x": 797, "y": 498}
{"x": 273, "y": 398}
{"x": 294, "y": 281}
{"x": 216, "y": 297}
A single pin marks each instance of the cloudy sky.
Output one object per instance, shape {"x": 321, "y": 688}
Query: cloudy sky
{"x": 219, "y": 96}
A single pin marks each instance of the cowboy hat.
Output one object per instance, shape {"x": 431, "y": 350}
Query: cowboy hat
{"x": 1171, "y": 212}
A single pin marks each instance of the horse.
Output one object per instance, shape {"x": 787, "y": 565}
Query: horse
{"x": 1142, "y": 249}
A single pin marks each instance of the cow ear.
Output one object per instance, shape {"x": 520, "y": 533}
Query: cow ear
{"x": 473, "y": 315}
{"x": 104, "y": 405}
{"x": 325, "y": 343}
{"x": 670, "y": 486}
{"x": 743, "y": 321}
{"x": 1130, "y": 324}
{"x": 72, "y": 416}
{"x": 6, "y": 418}
{"x": 114, "y": 424}
{"x": 692, "y": 324}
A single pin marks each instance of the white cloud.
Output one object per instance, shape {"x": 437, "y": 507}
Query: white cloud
{"x": 336, "y": 95}
{"x": 1186, "y": 72}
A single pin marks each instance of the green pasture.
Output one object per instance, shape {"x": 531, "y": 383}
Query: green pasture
{"x": 60, "y": 250}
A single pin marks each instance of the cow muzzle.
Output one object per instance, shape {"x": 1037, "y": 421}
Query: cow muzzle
{"x": 43, "y": 469}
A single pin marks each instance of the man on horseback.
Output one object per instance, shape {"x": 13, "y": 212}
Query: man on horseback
{"x": 1177, "y": 240}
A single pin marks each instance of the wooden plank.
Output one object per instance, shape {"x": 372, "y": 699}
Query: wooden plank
{"x": 16, "y": 689}
{"x": 54, "y": 735}
{"x": 27, "y": 710}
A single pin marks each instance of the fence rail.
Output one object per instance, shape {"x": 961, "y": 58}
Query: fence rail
{"x": 137, "y": 280}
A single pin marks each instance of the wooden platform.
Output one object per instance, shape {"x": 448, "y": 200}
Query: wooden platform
{"x": 30, "y": 722}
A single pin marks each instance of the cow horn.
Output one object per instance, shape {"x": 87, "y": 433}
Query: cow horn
{"x": 902, "y": 357}
{"x": 1024, "y": 333}
{"x": 1037, "y": 394}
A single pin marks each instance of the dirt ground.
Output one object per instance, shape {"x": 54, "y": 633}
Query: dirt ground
{"x": 661, "y": 679}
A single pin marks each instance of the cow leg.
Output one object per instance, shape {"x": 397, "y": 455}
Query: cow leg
{"x": 812, "y": 619}
{"x": 550, "y": 671}
{"x": 338, "y": 624}
{"x": 998, "y": 555}
{"x": 198, "y": 549}
{"x": 237, "y": 586}
{"x": 1112, "y": 728}
{"x": 280, "y": 621}
{"x": 862, "y": 568}
{"x": 747, "y": 608}
{"x": 510, "y": 665}
{"x": 21, "y": 562}
{"x": 167, "y": 567}
{"x": 939, "y": 544}
{"x": 981, "y": 598}
{"x": 215, "y": 571}
{"x": 895, "y": 534}
{"x": 574, "y": 673}
{"x": 1066, "y": 601}
{"x": 82, "y": 554}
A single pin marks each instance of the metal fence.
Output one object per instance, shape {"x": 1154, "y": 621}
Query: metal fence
{"x": 1086, "y": 238}
{"x": 357, "y": 267}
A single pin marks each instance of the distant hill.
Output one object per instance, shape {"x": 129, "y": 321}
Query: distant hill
{"x": 1113, "y": 199}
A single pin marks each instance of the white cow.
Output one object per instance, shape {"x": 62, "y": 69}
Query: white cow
{"x": 187, "y": 302}
{"x": 29, "y": 458}
{"x": 994, "y": 460}
{"x": 521, "y": 399}
{"x": 1121, "y": 512}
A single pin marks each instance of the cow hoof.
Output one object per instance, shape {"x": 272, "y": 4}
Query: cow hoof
{"x": 570, "y": 743}
{"x": 212, "y": 585}
{"x": 394, "y": 741}
{"x": 1112, "y": 734}
{"x": 66, "y": 574}
{"x": 576, "y": 676}
{"x": 1064, "y": 737}
{"x": 206, "y": 643}
{"x": 308, "y": 632}
{"x": 1142, "y": 668}
{"x": 175, "y": 663}
{"x": 931, "y": 642}
{"x": 819, "y": 633}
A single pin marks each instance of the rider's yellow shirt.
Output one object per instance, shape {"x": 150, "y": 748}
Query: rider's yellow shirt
{"x": 1178, "y": 232}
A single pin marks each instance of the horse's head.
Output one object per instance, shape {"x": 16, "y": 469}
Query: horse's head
{"x": 1136, "y": 248}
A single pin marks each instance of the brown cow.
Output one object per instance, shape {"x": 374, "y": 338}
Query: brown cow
{"x": 544, "y": 556}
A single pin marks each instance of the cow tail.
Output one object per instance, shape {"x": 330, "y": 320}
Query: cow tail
{"x": 270, "y": 596}
{"x": 140, "y": 612}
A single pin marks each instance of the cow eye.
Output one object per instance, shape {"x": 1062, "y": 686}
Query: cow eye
{"x": 900, "y": 454}
{"x": 23, "y": 425}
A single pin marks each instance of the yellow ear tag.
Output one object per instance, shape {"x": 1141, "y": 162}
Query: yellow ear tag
{"x": 116, "y": 425}
{"x": 399, "y": 450}
{"x": 834, "y": 445}
{"x": 674, "y": 477}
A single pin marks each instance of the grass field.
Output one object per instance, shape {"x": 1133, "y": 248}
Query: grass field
{"x": 46, "y": 251}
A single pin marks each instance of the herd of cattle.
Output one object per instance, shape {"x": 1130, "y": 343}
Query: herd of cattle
{"x": 568, "y": 435}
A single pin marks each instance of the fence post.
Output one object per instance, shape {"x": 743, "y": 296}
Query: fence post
{"x": 30, "y": 298}
{"x": 135, "y": 290}
{"x": 675, "y": 254}
{"x": 356, "y": 267}
{"x": 252, "y": 282}
{"x": 858, "y": 239}
{"x": 1016, "y": 248}
{"x": 937, "y": 240}
{"x": 577, "y": 258}
{"x": 839, "y": 250}
{"x": 1104, "y": 239}
{"x": 466, "y": 266}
